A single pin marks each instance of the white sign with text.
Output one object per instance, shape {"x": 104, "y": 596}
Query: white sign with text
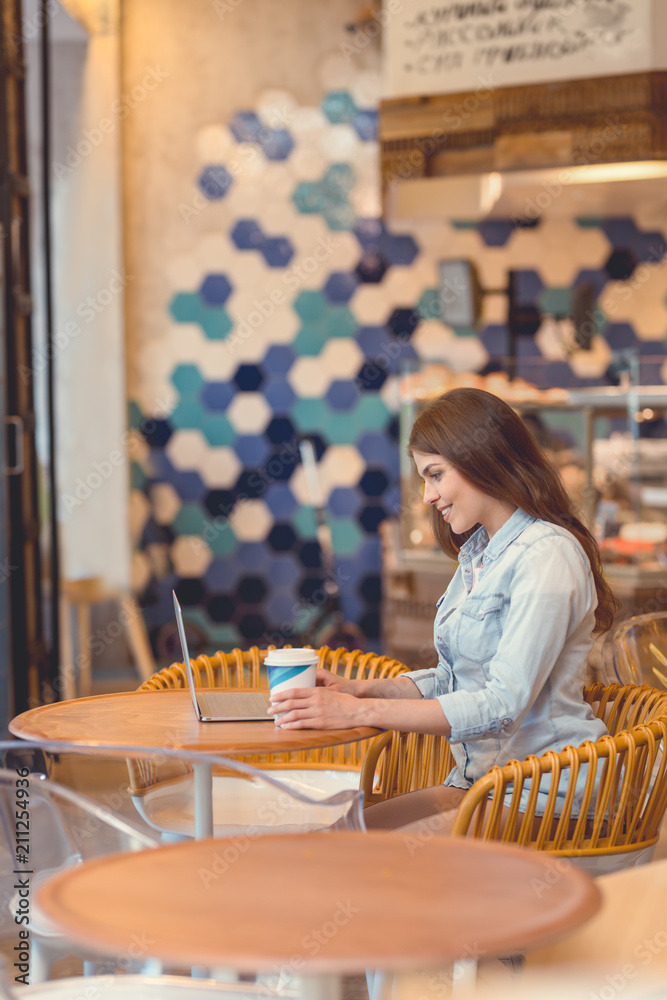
{"x": 449, "y": 47}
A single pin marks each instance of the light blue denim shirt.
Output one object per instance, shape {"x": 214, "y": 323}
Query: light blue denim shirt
{"x": 512, "y": 648}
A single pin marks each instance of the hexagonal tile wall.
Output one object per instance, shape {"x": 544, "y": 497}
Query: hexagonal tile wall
{"x": 307, "y": 337}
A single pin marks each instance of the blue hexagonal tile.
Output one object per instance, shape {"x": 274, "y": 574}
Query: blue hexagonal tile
{"x": 528, "y": 287}
{"x": 371, "y": 376}
{"x": 251, "y": 485}
{"x": 217, "y": 395}
{"x": 276, "y": 143}
{"x": 245, "y": 126}
{"x": 221, "y": 575}
{"x": 281, "y": 608}
{"x": 277, "y": 251}
{"x": 188, "y": 484}
{"x": 279, "y": 395}
{"x": 495, "y": 232}
{"x": 495, "y": 338}
{"x": 278, "y": 359}
{"x": 339, "y": 107}
{"x": 280, "y": 430}
{"x": 649, "y": 247}
{"x": 588, "y": 276}
{"x": 215, "y": 289}
{"x": 621, "y": 264}
{"x": 372, "y": 267}
{"x": 370, "y": 233}
{"x": 342, "y": 394}
{"x": 619, "y": 336}
{"x": 399, "y": 250}
{"x": 621, "y": 232}
{"x": 284, "y": 570}
{"x": 403, "y": 321}
{"x": 156, "y": 432}
{"x": 214, "y": 182}
{"x": 373, "y": 483}
{"x": 365, "y": 124}
{"x": 252, "y": 449}
{"x": 252, "y": 557}
{"x": 341, "y": 286}
{"x": 248, "y": 378}
{"x": 282, "y": 538}
{"x": 280, "y": 501}
{"x": 344, "y": 502}
{"x": 247, "y": 235}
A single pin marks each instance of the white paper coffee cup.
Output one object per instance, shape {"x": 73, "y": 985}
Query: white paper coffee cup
{"x": 291, "y": 668}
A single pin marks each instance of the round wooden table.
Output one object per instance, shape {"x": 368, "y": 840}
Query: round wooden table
{"x": 155, "y": 719}
{"x": 313, "y": 903}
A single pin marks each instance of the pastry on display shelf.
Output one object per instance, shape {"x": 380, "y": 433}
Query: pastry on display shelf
{"x": 435, "y": 378}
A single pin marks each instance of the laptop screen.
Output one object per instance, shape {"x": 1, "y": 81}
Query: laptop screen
{"x": 186, "y": 654}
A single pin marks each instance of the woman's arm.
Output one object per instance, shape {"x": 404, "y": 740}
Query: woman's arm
{"x": 396, "y": 687}
{"x": 324, "y": 707}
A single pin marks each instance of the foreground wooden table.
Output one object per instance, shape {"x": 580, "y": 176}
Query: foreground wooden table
{"x": 323, "y": 903}
{"x": 149, "y": 719}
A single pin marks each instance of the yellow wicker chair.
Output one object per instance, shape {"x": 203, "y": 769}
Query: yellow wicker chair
{"x": 638, "y": 650}
{"x": 624, "y": 798}
{"x": 244, "y": 669}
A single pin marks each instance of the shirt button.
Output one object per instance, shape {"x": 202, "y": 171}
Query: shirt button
{"x": 507, "y": 722}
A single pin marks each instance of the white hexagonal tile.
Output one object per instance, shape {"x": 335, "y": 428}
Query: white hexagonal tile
{"x": 336, "y": 72}
{"x": 339, "y": 144}
{"x": 369, "y": 304}
{"x": 279, "y": 183}
{"x": 283, "y": 327}
{"x": 309, "y": 377}
{"x": 246, "y": 199}
{"x": 366, "y": 88}
{"x": 190, "y": 556}
{"x": 550, "y": 339}
{"x": 276, "y": 108}
{"x": 640, "y": 301}
{"x": 342, "y": 357}
{"x": 139, "y": 512}
{"x": 307, "y": 123}
{"x": 390, "y": 393}
{"x": 140, "y": 571}
{"x": 367, "y": 200}
{"x": 211, "y": 254}
{"x": 138, "y": 448}
{"x": 213, "y": 144}
{"x": 465, "y": 354}
{"x": 251, "y": 521}
{"x": 341, "y": 465}
{"x": 249, "y": 413}
{"x": 183, "y": 272}
{"x": 217, "y": 360}
{"x": 593, "y": 363}
{"x": 278, "y": 217}
{"x": 307, "y": 163}
{"x": 221, "y": 469}
{"x": 187, "y": 449}
{"x": 166, "y": 502}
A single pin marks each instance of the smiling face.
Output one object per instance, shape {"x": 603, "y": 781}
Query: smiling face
{"x": 461, "y": 505}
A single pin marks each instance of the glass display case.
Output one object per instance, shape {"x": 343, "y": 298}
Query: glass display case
{"x": 610, "y": 446}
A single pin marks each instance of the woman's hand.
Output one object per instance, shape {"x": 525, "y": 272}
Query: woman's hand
{"x": 321, "y": 707}
{"x": 345, "y": 685}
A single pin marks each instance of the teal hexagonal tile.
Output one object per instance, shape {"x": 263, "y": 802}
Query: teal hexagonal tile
{"x": 342, "y": 428}
{"x": 556, "y": 301}
{"x": 589, "y": 222}
{"x": 190, "y": 520}
{"x": 464, "y": 224}
{"x": 465, "y": 331}
{"x": 310, "y": 305}
{"x": 217, "y": 429}
{"x": 310, "y": 339}
{"x": 346, "y": 535}
{"x": 305, "y": 522}
{"x": 309, "y": 198}
{"x": 311, "y": 414}
{"x": 138, "y": 477}
{"x": 220, "y": 537}
{"x": 215, "y": 322}
{"x": 340, "y": 217}
{"x": 186, "y": 307}
{"x": 187, "y": 414}
{"x": 135, "y": 417}
{"x": 187, "y": 379}
{"x": 430, "y": 305}
{"x": 340, "y": 322}
{"x": 371, "y": 413}
{"x": 339, "y": 107}
{"x": 338, "y": 180}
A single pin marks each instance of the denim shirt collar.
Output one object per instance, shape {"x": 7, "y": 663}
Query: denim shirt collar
{"x": 494, "y": 547}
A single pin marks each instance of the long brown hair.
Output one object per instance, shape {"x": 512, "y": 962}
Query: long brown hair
{"x": 491, "y": 447}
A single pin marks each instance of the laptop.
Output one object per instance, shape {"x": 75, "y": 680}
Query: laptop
{"x": 221, "y": 706}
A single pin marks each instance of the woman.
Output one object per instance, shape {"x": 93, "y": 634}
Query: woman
{"x": 512, "y": 630}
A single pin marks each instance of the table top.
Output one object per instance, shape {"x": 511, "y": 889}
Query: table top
{"x": 165, "y": 718}
{"x": 313, "y": 903}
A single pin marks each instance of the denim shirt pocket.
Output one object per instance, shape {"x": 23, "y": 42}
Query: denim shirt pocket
{"x": 480, "y": 627}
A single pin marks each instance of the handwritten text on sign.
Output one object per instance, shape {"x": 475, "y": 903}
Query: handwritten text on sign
{"x": 447, "y": 47}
